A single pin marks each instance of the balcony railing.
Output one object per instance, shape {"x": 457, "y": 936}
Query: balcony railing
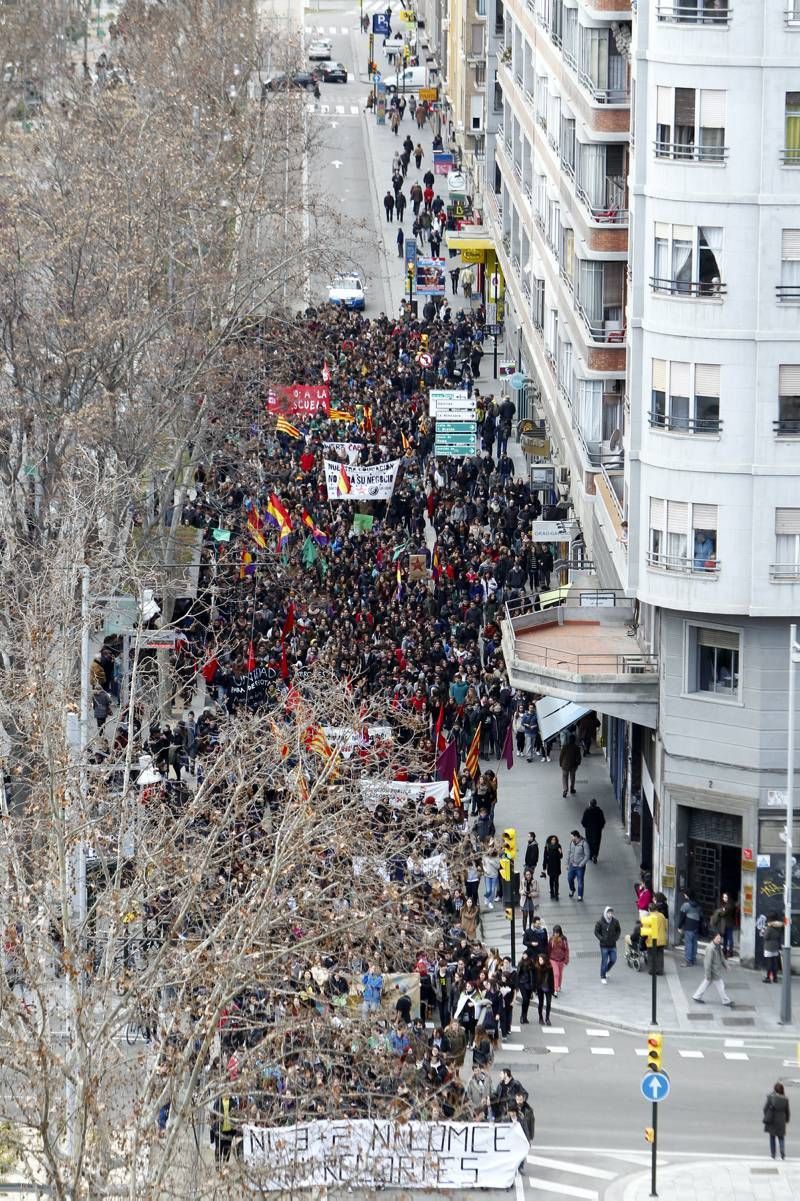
{"x": 683, "y": 153}
{"x": 613, "y": 212}
{"x": 695, "y": 14}
{"x": 792, "y": 16}
{"x": 787, "y": 427}
{"x": 790, "y": 156}
{"x": 599, "y": 454}
{"x": 711, "y": 290}
{"x": 784, "y": 573}
{"x": 683, "y": 564}
{"x": 788, "y": 293}
{"x": 686, "y": 425}
{"x": 604, "y": 332}
{"x": 604, "y": 95}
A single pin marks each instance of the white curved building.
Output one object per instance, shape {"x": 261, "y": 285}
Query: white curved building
{"x": 700, "y": 523}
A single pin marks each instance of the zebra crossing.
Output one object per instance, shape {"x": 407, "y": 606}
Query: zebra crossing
{"x": 585, "y": 1178}
{"x": 327, "y": 31}
{"x": 333, "y": 110}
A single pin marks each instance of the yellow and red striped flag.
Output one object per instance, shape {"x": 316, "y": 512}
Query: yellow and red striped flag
{"x": 472, "y": 754}
{"x": 285, "y": 427}
{"x": 456, "y": 791}
{"x": 340, "y": 415}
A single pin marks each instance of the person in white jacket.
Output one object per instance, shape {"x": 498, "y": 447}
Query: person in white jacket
{"x": 491, "y": 874}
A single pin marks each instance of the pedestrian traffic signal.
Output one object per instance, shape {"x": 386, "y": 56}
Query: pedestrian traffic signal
{"x": 510, "y": 844}
{"x": 654, "y": 1046}
{"x": 509, "y": 912}
{"x": 648, "y": 928}
{"x": 506, "y": 868}
{"x": 649, "y": 1134}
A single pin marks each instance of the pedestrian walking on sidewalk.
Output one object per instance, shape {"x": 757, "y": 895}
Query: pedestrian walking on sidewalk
{"x": 532, "y": 852}
{"x": 526, "y": 983}
{"x": 715, "y": 966}
{"x": 400, "y": 204}
{"x": 773, "y": 940}
{"x": 607, "y": 932}
{"x": 415, "y": 193}
{"x": 400, "y": 239}
{"x": 529, "y": 890}
{"x": 394, "y": 122}
{"x": 569, "y": 761}
{"x": 776, "y": 1118}
{"x": 551, "y": 864}
{"x": 558, "y": 951}
{"x": 388, "y": 204}
{"x": 593, "y": 818}
{"x": 412, "y": 105}
{"x": 723, "y": 920}
{"x": 418, "y": 155}
{"x": 543, "y": 975}
{"x": 689, "y": 921}
{"x": 454, "y": 274}
{"x": 577, "y": 858}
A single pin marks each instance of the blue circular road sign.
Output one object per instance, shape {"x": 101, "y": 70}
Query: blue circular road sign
{"x": 655, "y": 1086}
{"x": 517, "y": 381}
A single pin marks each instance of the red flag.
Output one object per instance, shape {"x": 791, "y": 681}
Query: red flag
{"x": 284, "y": 666}
{"x": 288, "y": 625}
{"x": 438, "y": 737}
{"x": 251, "y": 656}
{"x": 507, "y": 752}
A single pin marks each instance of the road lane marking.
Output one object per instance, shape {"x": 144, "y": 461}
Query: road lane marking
{"x": 520, "y": 1187}
{"x": 735, "y": 1055}
{"x": 577, "y": 1169}
{"x": 340, "y": 108}
{"x": 558, "y": 1050}
{"x": 510, "y": 1047}
{"x": 734, "y": 1042}
{"x": 691, "y": 1054}
{"x": 641, "y": 1051}
{"x": 563, "y": 1190}
{"x": 354, "y": 110}
{"x": 602, "y": 1050}
{"x": 598, "y": 1033}
{"x": 554, "y": 1030}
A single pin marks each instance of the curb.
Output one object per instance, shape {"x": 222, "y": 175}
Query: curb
{"x": 642, "y": 1027}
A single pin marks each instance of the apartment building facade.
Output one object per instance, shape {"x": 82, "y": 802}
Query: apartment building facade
{"x": 645, "y": 202}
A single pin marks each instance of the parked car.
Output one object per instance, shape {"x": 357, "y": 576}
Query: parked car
{"x": 331, "y": 72}
{"x": 320, "y": 48}
{"x": 347, "y": 289}
{"x": 279, "y": 81}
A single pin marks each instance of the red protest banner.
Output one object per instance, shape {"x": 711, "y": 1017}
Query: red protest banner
{"x": 299, "y": 398}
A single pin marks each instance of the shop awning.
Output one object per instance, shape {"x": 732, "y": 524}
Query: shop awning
{"x": 468, "y": 239}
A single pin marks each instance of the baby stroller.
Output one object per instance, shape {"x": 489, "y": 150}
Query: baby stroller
{"x": 635, "y": 951}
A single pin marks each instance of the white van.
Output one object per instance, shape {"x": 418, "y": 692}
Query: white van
{"x": 411, "y": 79}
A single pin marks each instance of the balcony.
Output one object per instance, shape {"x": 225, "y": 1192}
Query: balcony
{"x": 604, "y": 333}
{"x": 584, "y": 649}
{"x": 683, "y": 564}
{"x": 613, "y": 210}
{"x": 685, "y": 425}
{"x": 612, "y": 95}
{"x": 790, "y": 157}
{"x": 788, "y": 293}
{"x": 784, "y": 573}
{"x": 787, "y": 427}
{"x": 792, "y": 16}
{"x": 710, "y": 290}
{"x": 681, "y": 152}
{"x": 700, "y": 13}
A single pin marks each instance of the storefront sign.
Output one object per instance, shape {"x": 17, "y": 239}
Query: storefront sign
{"x": 442, "y": 160}
{"x": 299, "y": 398}
{"x": 553, "y": 531}
{"x": 430, "y": 95}
{"x": 380, "y": 1154}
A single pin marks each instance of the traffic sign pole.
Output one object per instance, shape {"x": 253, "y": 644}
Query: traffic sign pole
{"x": 654, "y": 1152}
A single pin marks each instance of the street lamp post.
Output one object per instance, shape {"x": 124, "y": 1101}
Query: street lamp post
{"x": 786, "y": 991}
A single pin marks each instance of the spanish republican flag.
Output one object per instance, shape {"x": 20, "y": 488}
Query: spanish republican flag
{"x": 285, "y": 427}
{"x": 245, "y": 568}
{"x": 278, "y": 513}
{"x": 343, "y": 485}
{"x": 319, "y": 536}
{"x": 472, "y": 754}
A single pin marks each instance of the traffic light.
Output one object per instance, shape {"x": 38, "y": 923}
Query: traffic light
{"x": 510, "y": 844}
{"x": 648, "y": 927}
{"x": 654, "y": 1046}
{"x": 649, "y": 1134}
{"x": 509, "y": 911}
{"x": 506, "y": 868}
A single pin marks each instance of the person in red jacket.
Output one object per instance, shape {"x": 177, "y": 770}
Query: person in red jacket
{"x": 427, "y": 196}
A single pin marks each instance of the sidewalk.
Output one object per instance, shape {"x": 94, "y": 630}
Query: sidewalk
{"x": 530, "y": 799}
{"x": 715, "y": 1180}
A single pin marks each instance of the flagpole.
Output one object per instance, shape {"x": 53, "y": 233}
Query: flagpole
{"x": 252, "y": 632}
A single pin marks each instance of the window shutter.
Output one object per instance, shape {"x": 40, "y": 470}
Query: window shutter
{"x": 684, "y": 106}
{"x": 727, "y": 639}
{"x": 712, "y": 109}
{"x": 660, "y": 375}
{"x": 704, "y": 517}
{"x": 787, "y": 521}
{"x": 706, "y": 379}
{"x": 683, "y": 233}
{"x": 656, "y": 513}
{"x": 789, "y": 380}
{"x": 662, "y": 230}
{"x": 664, "y": 107}
{"x": 790, "y": 244}
{"x": 679, "y": 379}
{"x": 677, "y": 516}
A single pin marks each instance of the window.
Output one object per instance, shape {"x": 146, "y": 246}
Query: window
{"x": 537, "y": 308}
{"x": 714, "y": 661}
{"x": 791, "y": 139}
{"x": 685, "y": 397}
{"x": 787, "y": 545}
{"x": 690, "y": 124}
{"x": 695, "y": 12}
{"x": 793, "y": 12}
{"x": 683, "y": 537}
{"x": 788, "y": 400}
{"x": 687, "y": 261}
{"x": 498, "y": 96}
{"x": 788, "y": 290}
{"x": 480, "y": 8}
{"x": 476, "y": 39}
{"x": 567, "y": 142}
{"x": 480, "y": 75}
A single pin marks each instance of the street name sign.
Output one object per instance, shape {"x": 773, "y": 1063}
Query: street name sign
{"x": 655, "y": 1086}
{"x": 451, "y": 404}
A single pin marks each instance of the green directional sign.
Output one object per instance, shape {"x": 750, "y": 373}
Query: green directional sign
{"x": 455, "y": 427}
